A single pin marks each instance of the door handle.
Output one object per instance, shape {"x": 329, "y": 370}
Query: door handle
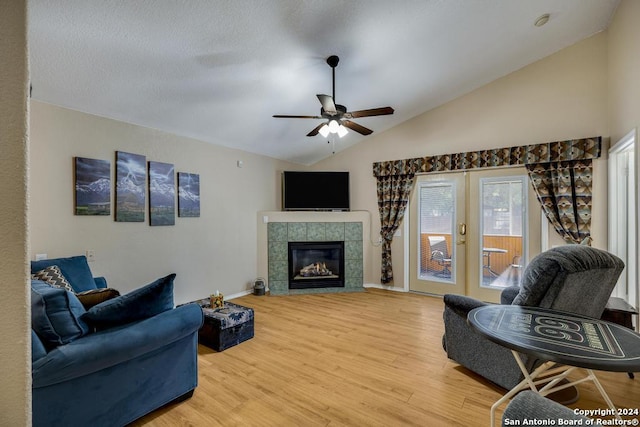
{"x": 462, "y": 231}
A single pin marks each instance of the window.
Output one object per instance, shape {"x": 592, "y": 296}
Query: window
{"x": 502, "y": 243}
{"x": 502, "y": 207}
{"x": 436, "y": 230}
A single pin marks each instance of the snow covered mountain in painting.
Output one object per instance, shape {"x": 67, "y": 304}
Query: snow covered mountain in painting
{"x": 94, "y": 192}
{"x": 162, "y": 192}
{"x": 131, "y": 175}
{"x": 127, "y": 186}
{"x": 93, "y": 186}
{"x": 188, "y": 194}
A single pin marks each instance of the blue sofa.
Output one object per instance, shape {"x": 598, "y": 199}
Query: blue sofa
{"x": 113, "y": 374}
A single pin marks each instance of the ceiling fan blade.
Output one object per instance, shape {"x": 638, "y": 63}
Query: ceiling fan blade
{"x": 382, "y": 111}
{"x": 358, "y": 128}
{"x": 282, "y": 116}
{"x": 327, "y": 104}
{"x": 315, "y": 130}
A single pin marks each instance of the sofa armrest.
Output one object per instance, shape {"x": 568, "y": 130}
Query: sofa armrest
{"x": 509, "y": 294}
{"x": 461, "y": 304}
{"x": 110, "y": 347}
{"x": 101, "y": 282}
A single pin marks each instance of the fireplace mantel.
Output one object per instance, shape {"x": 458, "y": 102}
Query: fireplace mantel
{"x": 277, "y": 229}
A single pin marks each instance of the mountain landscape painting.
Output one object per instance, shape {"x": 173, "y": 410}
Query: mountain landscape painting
{"x": 131, "y": 180}
{"x": 93, "y": 186}
{"x": 188, "y": 194}
{"x": 162, "y": 194}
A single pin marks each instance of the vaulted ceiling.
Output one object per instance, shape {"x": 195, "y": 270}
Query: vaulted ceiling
{"x": 217, "y": 70}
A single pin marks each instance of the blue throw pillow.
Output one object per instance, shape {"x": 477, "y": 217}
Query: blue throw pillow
{"x": 139, "y": 304}
{"x": 56, "y": 314}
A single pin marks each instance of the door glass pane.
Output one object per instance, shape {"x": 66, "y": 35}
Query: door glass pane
{"x": 503, "y": 210}
{"x": 436, "y": 232}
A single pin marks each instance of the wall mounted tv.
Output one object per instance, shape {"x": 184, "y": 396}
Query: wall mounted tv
{"x": 315, "y": 191}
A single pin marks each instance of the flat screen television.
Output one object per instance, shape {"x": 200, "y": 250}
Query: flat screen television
{"x": 315, "y": 191}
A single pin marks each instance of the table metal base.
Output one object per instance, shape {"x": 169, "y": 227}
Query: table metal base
{"x": 553, "y": 374}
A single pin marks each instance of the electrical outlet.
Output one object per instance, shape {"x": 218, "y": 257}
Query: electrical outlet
{"x": 91, "y": 255}
{"x": 40, "y": 257}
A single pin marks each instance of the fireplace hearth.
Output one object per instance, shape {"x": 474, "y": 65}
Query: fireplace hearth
{"x": 316, "y": 265}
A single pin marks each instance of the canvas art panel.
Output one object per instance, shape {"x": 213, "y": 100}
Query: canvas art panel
{"x": 162, "y": 194}
{"x": 131, "y": 180}
{"x": 188, "y": 195}
{"x": 93, "y": 186}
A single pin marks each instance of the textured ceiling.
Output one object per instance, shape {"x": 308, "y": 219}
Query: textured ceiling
{"x": 218, "y": 70}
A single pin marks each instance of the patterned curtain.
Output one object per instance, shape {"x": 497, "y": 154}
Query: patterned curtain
{"x": 564, "y": 191}
{"x": 393, "y": 197}
{"x": 567, "y": 202}
{"x": 558, "y": 151}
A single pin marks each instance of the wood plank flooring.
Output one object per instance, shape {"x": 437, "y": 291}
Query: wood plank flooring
{"x": 350, "y": 359}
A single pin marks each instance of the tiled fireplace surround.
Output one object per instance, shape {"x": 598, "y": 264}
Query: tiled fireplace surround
{"x": 279, "y": 234}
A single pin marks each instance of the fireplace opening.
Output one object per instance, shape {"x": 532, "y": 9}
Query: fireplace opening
{"x": 316, "y": 265}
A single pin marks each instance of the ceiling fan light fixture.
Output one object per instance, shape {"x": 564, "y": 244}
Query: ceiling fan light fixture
{"x": 333, "y": 126}
{"x": 342, "y": 131}
{"x": 324, "y": 131}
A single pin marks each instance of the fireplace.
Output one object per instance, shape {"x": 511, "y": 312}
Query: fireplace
{"x": 327, "y": 227}
{"x": 316, "y": 265}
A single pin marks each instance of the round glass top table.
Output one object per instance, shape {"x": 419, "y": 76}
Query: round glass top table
{"x": 565, "y": 341}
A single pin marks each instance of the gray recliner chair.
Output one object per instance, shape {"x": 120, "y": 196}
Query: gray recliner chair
{"x": 528, "y": 406}
{"x": 574, "y": 278}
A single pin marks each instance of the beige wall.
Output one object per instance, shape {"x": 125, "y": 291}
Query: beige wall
{"x": 563, "y": 96}
{"x": 15, "y": 322}
{"x": 624, "y": 65}
{"x": 214, "y": 252}
{"x": 623, "y": 81}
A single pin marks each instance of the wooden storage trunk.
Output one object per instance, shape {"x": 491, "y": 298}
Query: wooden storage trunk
{"x": 225, "y": 327}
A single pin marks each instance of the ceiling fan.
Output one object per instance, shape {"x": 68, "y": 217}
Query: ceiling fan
{"x": 338, "y": 118}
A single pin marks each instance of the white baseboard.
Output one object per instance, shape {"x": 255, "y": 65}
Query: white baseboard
{"x": 385, "y": 287}
{"x": 366, "y": 285}
{"x": 238, "y": 295}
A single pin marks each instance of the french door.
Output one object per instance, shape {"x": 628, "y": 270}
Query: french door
{"x": 623, "y": 215}
{"x": 470, "y": 233}
{"x": 437, "y": 242}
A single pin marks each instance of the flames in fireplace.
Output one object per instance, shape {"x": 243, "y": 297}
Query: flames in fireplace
{"x": 315, "y": 270}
